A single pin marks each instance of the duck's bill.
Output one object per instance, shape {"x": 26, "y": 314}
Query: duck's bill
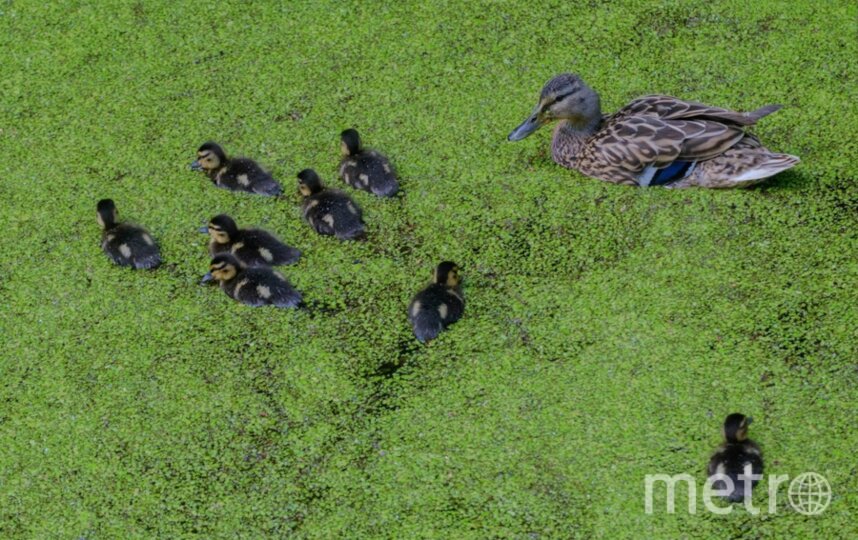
{"x": 195, "y": 166}
{"x": 204, "y": 229}
{"x": 526, "y": 128}
{"x": 206, "y": 278}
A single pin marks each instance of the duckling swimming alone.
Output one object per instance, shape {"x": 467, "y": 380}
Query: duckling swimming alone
{"x": 125, "y": 244}
{"x": 439, "y": 305}
{"x": 253, "y": 247}
{"x": 737, "y": 456}
{"x": 254, "y": 286}
{"x": 654, "y": 140}
{"x": 236, "y": 174}
{"x": 329, "y": 211}
{"x": 366, "y": 169}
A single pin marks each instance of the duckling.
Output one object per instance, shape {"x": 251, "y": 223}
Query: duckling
{"x": 737, "y": 456}
{"x": 253, "y": 247}
{"x": 654, "y": 140}
{"x": 125, "y": 244}
{"x": 329, "y": 211}
{"x": 254, "y": 285}
{"x": 236, "y": 174}
{"x": 366, "y": 169}
{"x": 439, "y": 305}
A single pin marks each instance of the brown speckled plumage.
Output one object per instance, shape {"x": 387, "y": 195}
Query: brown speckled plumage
{"x": 649, "y": 134}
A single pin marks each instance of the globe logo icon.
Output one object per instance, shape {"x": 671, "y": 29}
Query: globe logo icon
{"x": 809, "y": 494}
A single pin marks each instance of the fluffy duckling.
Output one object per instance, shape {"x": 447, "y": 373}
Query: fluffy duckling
{"x": 366, "y": 169}
{"x": 254, "y": 286}
{"x": 253, "y": 247}
{"x": 125, "y": 244}
{"x": 235, "y": 174}
{"x": 738, "y": 455}
{"x": 329, "y": 211}
{"x": 439, "y": 305}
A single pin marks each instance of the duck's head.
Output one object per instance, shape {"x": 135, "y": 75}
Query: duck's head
{"x": 565, "y": 97}
{"x": 210, "y": 156}
{"x": 106, "y": 214}
{"x": 350, "y": 142}
{"x": 309, "y": 182}
{"x": 221, "y": 228}
{"x": 736, "y": 427}
{"x": 447, "y": 274}
{"x": 223, "y": 267}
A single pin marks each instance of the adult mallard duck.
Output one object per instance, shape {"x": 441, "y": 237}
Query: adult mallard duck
{"x": 654, "y": 140}
{"x": 738, "y": 459}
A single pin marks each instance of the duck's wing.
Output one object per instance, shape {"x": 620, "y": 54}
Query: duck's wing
{"x": 671, "y": 108}
{"x": 633, "y": 148}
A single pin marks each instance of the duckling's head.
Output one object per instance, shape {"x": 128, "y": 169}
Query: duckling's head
{"x": 736, "y": 427}
{"x": 350, "y": 144}
{"x": 223, "y": 267}
{"x": 106, "y": 214}
{"x": 447, "y": 274}
{"x": 210, "y": 156}
{"x": 221, "y": 228}
{"x": 565, "y": 97}
{"x": 309, "y": 182}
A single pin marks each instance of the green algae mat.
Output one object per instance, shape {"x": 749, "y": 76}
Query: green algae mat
{"x": 608, "y": 330}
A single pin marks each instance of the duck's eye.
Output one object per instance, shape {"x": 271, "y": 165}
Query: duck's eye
{"x": 562, "y": 97}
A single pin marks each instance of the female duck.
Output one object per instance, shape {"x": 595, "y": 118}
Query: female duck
{"x": 236, "y": 174}
{"x": 125, "y": 244}
{"x": 253, "y": 247}
{"x": 738, "y": 458}
{"x": 439, "y": 305}
{"x": 254, "y": 286}
{"x": 366, "y": 169}
{"x": 654, "y": 140}
{"x": 328, "y": 211}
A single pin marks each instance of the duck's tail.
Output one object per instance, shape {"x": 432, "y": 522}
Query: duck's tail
{"x": 287, "y": 297}
{"x": 286, "y": 255}
{"x": 772, "y": 165}
{"x": 743, "y": 165}
{"x": 427, "y": 325}
{"x": 754, "y": 116}
{"x": 359, "y": 236}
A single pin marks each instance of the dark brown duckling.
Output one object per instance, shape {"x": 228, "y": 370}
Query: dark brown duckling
{"x": 329, "y": 211}
{"x": 254, "y": 285}
{"x": 366, "y": 169}
{"x": 738, "y": 455}
{"x": 126, "y": 244}
{"x": 439, "y": 305}
{"x": 234, "y": 174}
{"x": 253, "y": 247}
